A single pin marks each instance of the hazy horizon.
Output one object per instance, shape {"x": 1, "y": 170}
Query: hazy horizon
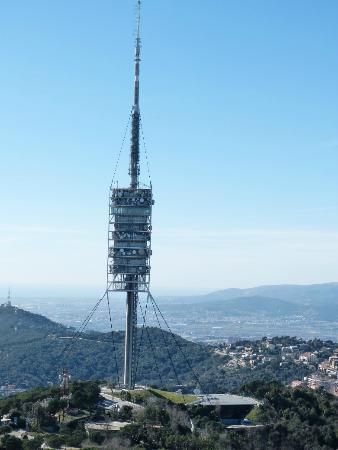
{"x": 90, "y": 293}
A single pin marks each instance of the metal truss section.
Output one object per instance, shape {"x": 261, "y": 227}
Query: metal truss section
{"x": 129, "y": 239}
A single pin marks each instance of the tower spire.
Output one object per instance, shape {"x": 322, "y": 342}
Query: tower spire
{"x": 134, "y": 167}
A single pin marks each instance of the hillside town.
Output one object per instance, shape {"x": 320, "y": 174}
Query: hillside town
{"x": 320, "y": 358}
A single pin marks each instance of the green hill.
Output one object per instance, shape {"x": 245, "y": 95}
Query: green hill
{"x": 17, "y": 324}
{"x": 32, "y": 353}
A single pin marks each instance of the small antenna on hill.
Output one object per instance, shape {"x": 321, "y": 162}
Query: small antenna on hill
{"x": 9, "y": 297}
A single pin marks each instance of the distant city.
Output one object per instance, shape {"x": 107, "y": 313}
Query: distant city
{"x": 224, "y": 316}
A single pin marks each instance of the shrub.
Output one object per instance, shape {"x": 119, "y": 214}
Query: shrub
{"x": 97, "y": 437}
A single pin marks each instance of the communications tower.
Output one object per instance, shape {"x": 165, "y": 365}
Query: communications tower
{"x": 129, "y": 235}
{"x": 9, "y": 297}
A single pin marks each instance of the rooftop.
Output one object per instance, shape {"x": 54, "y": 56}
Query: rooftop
{"x": 225, "y": 400}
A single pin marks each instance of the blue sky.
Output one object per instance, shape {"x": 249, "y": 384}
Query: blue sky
{"x": 239, "y": 105}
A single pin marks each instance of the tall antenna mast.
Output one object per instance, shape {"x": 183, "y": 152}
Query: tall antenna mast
{"x": 134, "y": 168}
{"x": 129, "y": 235}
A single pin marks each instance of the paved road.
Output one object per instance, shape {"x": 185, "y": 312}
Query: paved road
{"x": 106, "y": 393}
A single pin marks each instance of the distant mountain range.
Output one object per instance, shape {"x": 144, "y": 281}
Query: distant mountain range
{"x": 317, "y": 301}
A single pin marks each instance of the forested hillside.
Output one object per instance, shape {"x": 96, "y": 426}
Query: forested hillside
{"x": 286, "y": 419}
{"x": 32, "y": 352}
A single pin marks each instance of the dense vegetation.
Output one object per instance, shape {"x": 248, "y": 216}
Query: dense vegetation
{"x": 32, "y": 354}
{"x": 40, "y": 407}
{"x": 287, "y": 419}
{"x": 297, "y": 419}
{"x": 85, "y": 395}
